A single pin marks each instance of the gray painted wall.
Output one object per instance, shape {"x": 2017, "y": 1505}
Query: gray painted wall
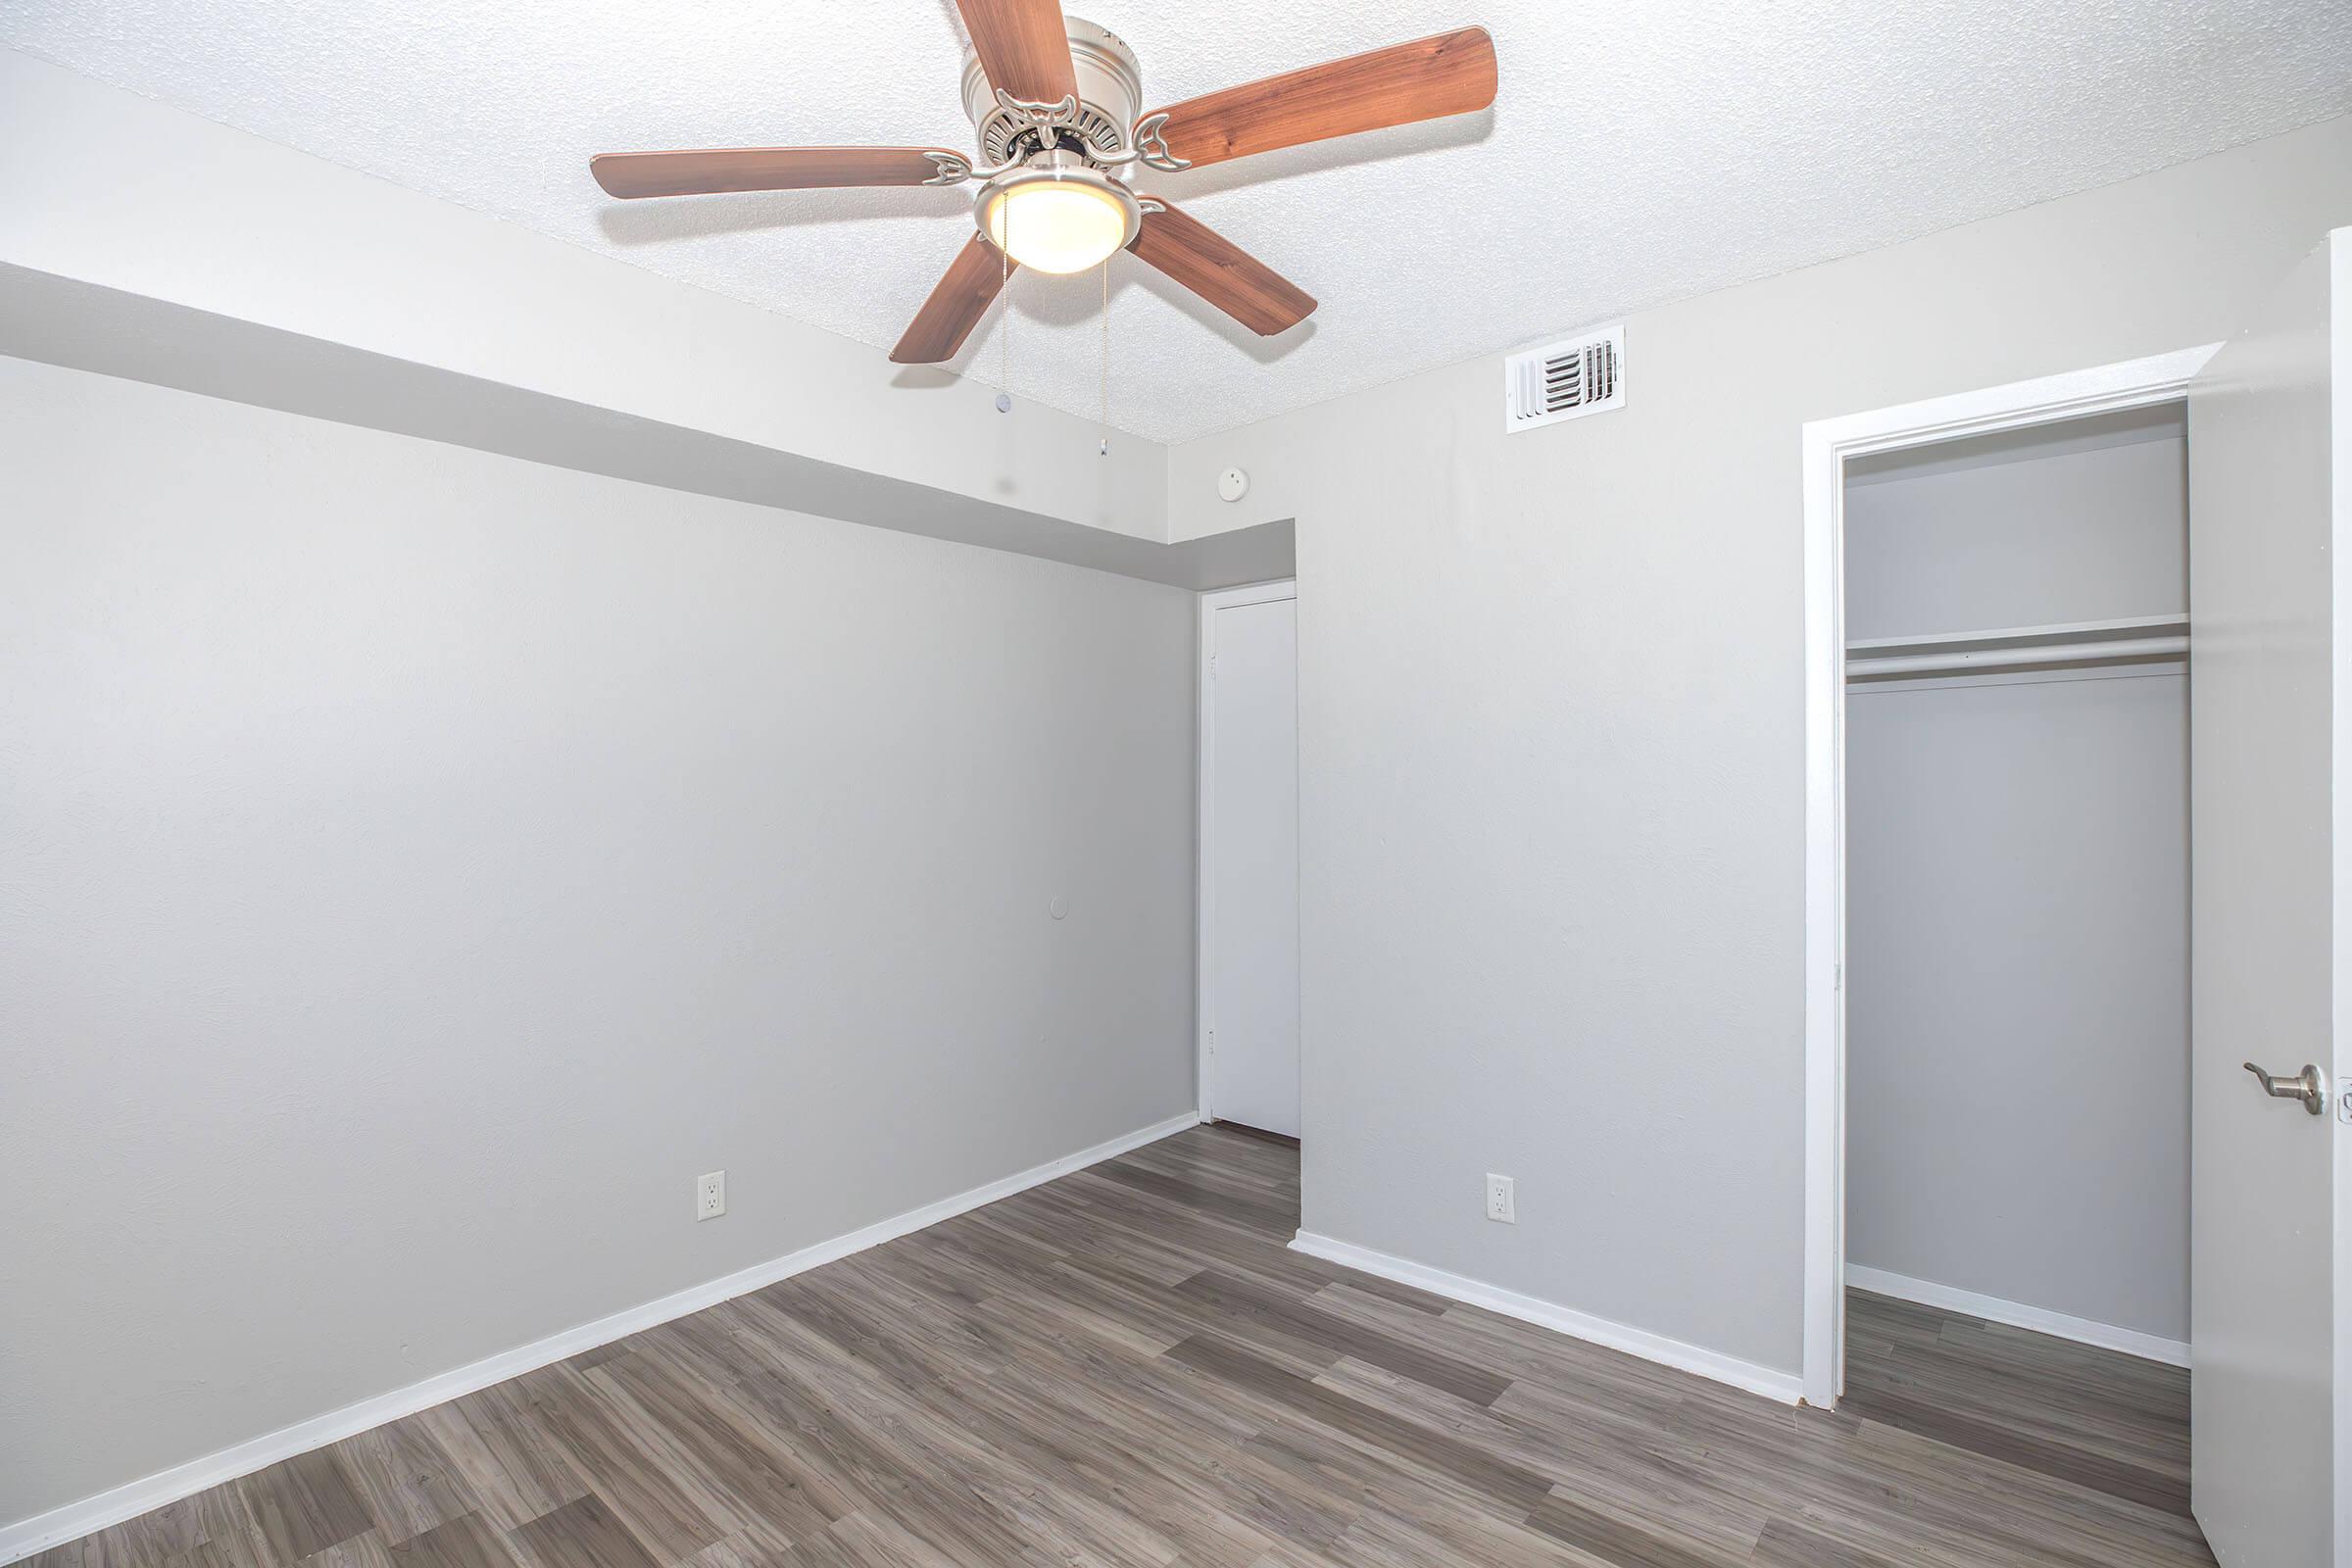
{"x": 1552, "y": 772}
{"x": 421, "y": 865}
{"x": 2017, "y": 884}
{"x": 2017, "y": 993}
{"x": 2023, "y": 531}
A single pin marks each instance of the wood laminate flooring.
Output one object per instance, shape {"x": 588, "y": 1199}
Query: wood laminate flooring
{"x": 1126, "y": 1366}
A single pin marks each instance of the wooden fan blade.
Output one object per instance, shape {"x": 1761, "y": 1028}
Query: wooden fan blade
{"x": 1451, "y": 74}
{"x": 1221, "y": 271}
{"x": 1023, "y": 45}
{"x": 695, "y": 174}
{"x": 955, "y": 306}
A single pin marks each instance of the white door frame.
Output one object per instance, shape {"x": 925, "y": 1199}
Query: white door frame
{"x": 1827, "y": 443}
{"x": 1203, "y": 902}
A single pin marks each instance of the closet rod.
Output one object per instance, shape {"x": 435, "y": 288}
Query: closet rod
{"x": 1988, "y": 659}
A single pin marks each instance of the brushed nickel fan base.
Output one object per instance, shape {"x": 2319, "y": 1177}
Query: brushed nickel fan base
{"x": 1097, "y": 125}
{"x": 1109, "y": 97}
{"x": 1076, "y": 140}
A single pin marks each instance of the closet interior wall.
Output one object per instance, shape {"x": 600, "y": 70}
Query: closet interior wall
{"x": 2017, "y": 871}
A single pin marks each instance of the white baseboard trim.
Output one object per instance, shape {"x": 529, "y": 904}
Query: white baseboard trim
{"x": 1770, "y": 1382}
{"x": 2016, "y": 1315}
{"x": 74, "y": 1520}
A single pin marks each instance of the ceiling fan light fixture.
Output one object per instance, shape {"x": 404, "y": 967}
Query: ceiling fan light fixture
{"x": 1056, "y": 109}
{"x": 1056, "y": 215}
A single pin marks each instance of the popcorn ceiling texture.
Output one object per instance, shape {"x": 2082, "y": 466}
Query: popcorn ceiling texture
{"x": 1641, "y": 152}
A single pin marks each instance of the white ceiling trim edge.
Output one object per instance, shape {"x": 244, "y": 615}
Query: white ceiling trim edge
{"x": 82, "y": 326}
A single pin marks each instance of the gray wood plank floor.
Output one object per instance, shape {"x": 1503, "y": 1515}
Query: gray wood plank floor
{"x": 1126, "y": 1366}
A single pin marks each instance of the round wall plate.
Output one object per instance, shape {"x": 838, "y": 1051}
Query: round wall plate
{"x": 1233, "y": 484}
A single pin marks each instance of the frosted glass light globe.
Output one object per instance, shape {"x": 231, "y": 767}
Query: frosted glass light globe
{"x": 1057, "y": 213}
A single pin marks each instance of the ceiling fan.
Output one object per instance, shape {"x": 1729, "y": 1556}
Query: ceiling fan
{"x": 1056, "y": 104}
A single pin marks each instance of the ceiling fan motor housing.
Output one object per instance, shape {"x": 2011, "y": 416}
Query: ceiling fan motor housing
{"x": 1111, "y": 95}
{"x": 1054, "y": 157}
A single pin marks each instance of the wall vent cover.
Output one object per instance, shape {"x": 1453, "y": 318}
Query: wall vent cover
{"x": 1564, "y": 381}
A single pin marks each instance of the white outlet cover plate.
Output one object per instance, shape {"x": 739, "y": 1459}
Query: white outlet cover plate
{"x": 1503, "y": 1199}
{"x": 710, "y": 1194}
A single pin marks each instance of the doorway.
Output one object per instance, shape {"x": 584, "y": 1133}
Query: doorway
{"x": 2266, "y": 451}
{"x": 2017, "y": 690}
{"x": 2017, "y": 885}
{"x": 1249, "y": 886}
{"x": 1836, "y": 451}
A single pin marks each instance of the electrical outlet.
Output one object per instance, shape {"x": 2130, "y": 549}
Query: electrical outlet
{"x": 1503, "y": 1199}
{"x": 711, "y": 1195}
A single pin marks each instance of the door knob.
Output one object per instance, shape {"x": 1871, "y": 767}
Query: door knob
{"x": 2305, "y": 1086}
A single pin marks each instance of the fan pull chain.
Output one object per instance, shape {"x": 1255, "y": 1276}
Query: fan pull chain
{"x": 1004, "y": 293}
{"x": 1104, "y": 449}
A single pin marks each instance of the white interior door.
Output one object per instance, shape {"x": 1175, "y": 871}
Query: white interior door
{"x": 2264, "y": 525}
{"x": 1249, "y": 848}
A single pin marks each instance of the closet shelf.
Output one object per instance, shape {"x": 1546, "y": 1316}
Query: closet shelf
{"x": 2136, "y": 639}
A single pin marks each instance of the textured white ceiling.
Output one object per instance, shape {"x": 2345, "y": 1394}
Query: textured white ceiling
{"x": 1641, "y": 151}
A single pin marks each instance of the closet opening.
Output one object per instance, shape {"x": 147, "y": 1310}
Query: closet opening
{"x": 2016, "y": 987}
{"x": 2009, "y": 863}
